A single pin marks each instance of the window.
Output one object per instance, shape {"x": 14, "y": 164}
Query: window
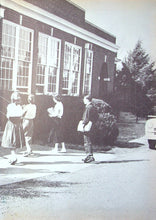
{"x": 24, "y": 59}
{"x": 71, "y": 71}
{"x": 16, "y": 57}
{"x": 88, "y": 71}
{"x": 48, "y": 66}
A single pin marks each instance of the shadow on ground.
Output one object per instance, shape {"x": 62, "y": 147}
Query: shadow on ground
{"x": 43, "y": 188}
{"x": 125, "y": 144}
{"x": 118, "y": 161}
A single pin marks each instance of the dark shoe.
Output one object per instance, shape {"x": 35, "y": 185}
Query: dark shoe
{"x": 13, "y": 161}
{"x": 89, "y": 160}
{"x": 86, "y": 158}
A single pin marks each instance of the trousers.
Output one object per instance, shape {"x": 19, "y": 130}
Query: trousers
{"x": 88, "y": 145}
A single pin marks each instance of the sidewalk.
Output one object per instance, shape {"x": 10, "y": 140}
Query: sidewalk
{"x": 42, "y": 163}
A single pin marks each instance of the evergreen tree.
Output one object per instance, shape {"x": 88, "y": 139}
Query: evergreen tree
{"x": 133, "y": 81}
{"x": 139, "y": 66}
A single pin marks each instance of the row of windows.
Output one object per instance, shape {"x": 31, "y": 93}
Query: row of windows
{"x": 16, "y": 63}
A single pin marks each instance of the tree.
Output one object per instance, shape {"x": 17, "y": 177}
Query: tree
{"x": 139, "y": 66}
{"x": 133, "y": 81}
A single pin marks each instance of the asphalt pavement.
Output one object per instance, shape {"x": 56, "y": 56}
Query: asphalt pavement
{"x": 61, "y": 186}
{"x": 43, "y": 162}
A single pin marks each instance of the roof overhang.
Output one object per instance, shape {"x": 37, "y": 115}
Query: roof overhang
{"x": 41, "y": 15}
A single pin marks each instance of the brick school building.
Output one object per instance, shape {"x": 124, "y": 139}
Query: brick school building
{"x": 48, "y": 47}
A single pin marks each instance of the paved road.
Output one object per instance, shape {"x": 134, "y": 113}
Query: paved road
{"x": 119, "y": 185}
{"x": 43, "y": 163}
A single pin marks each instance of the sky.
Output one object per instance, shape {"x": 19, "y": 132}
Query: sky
{"x": 128, "y": 20}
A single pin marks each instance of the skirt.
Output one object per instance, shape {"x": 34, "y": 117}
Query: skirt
{"x": 57, "y": 130}
{"x": 13, "y": 136}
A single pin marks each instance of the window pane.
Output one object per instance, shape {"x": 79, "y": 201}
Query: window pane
{"x": 42, "y": 49}
{"x": 52, "y": 76}
{"x": 16, "y": 56}
{"x": 48, "y": 64}
{"x": 6, "y": 72}
{"x": 7, "y": 56}
{"x": 23, "y": 74}
{"x": 40, "y": 74}
{"x": 24, "y": 58}
{"x": 88, "y": 71}
{"x": 67, "y": 67}
{"x": 74, "y": 82}
{"x": 41, "y": 63}
{"x": 71, "y": 72}
{"x": 76, "y": 71}
{"x": 54, "y": 58}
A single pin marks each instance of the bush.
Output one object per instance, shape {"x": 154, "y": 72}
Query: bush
{"x": 106, "y": 130}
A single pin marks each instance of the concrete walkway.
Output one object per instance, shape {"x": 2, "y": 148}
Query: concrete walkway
{"x": 42, "y": 163}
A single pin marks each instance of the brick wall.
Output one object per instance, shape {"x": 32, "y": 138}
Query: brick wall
{"x": 61, "y": 8}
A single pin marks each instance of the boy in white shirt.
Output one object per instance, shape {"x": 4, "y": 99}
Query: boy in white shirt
{"x": 28, "y": 123}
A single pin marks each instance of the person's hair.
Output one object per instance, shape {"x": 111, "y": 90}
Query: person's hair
{"x": 15, "y": 96}
{"x": 31, "y": 98}
{"x": 57, "y": 97}
{"x": 89, "y": 97}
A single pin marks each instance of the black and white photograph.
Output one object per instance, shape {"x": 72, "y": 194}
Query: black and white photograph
{"x": 77, "y": 109}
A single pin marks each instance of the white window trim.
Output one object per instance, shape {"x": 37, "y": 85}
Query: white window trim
{"x": 38, "y": 84}
{"x": 85, "y": 70}
{"x": 41, "y": 15}
{"x": 15, "y": 61}
{"x": 48, "y": 65}
{"x": 70, "y": 71}
{"x": 45, "y": 84}
{"x": 31, "y": 60}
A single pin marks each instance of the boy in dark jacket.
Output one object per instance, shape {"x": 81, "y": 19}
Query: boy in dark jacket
{"x": 89, "y": 116}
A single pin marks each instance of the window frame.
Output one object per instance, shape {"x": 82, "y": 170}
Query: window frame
{"x": 85, "y": 72}
{"x": 71, "y": 70}
{"x": 15, "y": 59}
{"x": 48, "y": 66}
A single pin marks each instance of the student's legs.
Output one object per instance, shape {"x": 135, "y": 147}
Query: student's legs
{"x": 28, "y": 145}
{"x": 58, "y": 135}
{"x": 28, "y": 133}
{"x": 13, "y": 157}
{"x": 88, "y": 149}
{"x": 63, "y": 150}
{"x": 55, "y": 150}
{"x": 88, "y": 146}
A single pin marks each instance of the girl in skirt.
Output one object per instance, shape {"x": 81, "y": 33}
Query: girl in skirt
{"x": 13, "y": 136}
{"x": 56, "y": 114}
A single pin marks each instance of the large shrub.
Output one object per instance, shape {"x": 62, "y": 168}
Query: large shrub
{"x": 106, "y": 130}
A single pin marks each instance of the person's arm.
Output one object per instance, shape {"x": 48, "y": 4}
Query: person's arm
{"x": 8, "y": 111}
{"x": 50, "y": 111}
{"x": 58, "y": 110}
{"x": 86, "y": 118}
{"x": 30, "y": 112}
{"x": 35, "y": 110}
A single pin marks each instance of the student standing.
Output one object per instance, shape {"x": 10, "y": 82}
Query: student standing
{"x": 28, "y": 123}
{"x": 89, "y": 117}
{"x": 13, "y": 136}
{"x": 56, "y": 114}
